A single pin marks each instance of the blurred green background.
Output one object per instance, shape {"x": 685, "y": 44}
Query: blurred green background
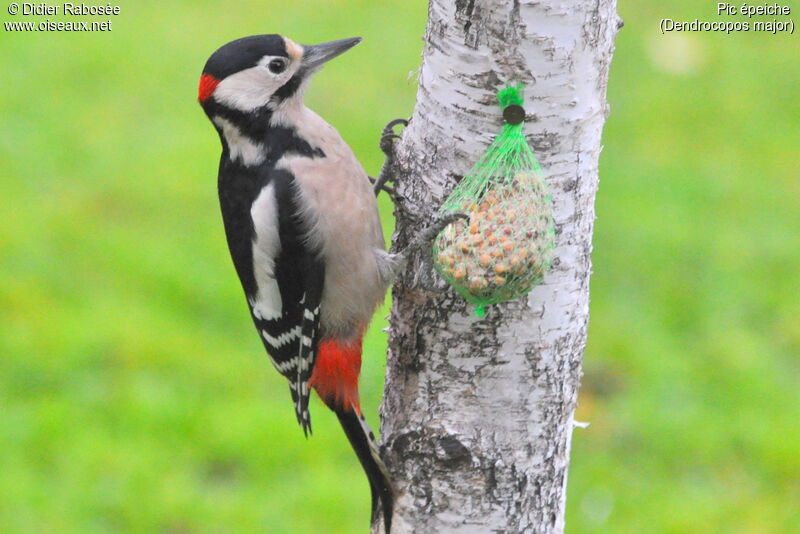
{"x": 135, "y": 397}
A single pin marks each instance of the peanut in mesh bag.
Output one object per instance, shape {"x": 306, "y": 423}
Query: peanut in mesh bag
{"x": 505, "y": 245}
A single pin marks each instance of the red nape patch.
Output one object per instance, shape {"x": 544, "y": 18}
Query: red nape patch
{"x": 207, "y": 85}
{"x": 335, "y": 374}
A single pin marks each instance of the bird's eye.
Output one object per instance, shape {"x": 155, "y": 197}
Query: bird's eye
{"x": 276, "y": 66}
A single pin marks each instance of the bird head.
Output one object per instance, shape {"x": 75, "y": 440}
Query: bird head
{"x": 263, "y": 71}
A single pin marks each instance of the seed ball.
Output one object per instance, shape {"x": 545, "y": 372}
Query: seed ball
{"x": 490, "y": 253}
{"x": 477, "y": 283}
{"x": 501, "y": 268}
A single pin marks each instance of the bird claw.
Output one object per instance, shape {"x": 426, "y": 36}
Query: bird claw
{"x": 450, "y": 218}
{"x": 389, "y": 128}
{"x": 388, "y": 136}
{"x": 426, "y": 237}
{"x": 389, "y": 190}
{"x": 442, "y": 222}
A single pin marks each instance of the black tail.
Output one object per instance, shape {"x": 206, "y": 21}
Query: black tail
{"x": 363, "y": 442}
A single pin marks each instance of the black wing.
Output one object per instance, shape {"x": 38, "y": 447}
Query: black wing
{"x": 291, "y": 274}
{"x": 291, "y": 339}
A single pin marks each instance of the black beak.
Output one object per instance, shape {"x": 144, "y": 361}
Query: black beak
{"x": 314, "y": 56}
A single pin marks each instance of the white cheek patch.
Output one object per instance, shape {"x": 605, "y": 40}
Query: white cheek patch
{"x": 247, "y": 90}
{"x": 267, "y": 304}
{"x": 253, "y": 88}
{"x": 241, "y": 147}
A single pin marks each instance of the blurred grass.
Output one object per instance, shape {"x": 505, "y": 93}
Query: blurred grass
{"x": 136, "y": 398}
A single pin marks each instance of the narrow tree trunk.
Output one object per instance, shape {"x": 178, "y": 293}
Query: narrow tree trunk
{"x": 478, "y": 413}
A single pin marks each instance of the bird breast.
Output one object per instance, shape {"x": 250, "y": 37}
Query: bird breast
{"x": 340, "y": 213}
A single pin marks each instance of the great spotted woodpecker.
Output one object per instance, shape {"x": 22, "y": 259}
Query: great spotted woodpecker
{"x": 302, "y": 226}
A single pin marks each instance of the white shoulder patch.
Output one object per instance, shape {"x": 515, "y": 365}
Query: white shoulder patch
{"x": 241, "y": 147}
{"x": 266, "y": 246}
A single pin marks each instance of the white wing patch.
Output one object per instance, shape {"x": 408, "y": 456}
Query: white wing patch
{"x": 241, "y": 147}
{"x": 267, "y": 304}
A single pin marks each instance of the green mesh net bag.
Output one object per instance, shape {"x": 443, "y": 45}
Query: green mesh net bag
{"x": 505, "y": 246}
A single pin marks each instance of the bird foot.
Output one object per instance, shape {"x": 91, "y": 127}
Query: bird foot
{"x": 425, "y": 238}
{"x": 389, "y": 190}
{"x": 387, "y": 144}
{"x": 388, "y": 136}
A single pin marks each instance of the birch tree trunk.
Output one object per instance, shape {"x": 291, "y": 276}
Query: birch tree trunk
{"x": 478, "y": 413}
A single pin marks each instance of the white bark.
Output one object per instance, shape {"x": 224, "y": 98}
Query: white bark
{"x": 477, "y": 413}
